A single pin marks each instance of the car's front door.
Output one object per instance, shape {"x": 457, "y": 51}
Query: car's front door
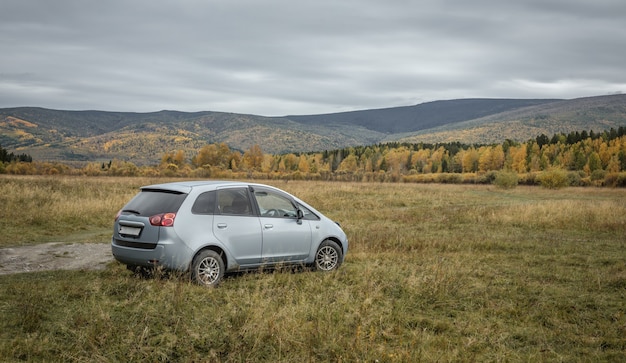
{"x": 285, "y": 237}
{"x": 237, "y": 226}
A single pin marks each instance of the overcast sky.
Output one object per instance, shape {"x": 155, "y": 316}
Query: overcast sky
{"x": 284, "y": 57}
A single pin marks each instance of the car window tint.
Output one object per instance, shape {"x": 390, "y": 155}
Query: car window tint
{"x": 205, "y": 203}
{"x": 234, "y": 201}
{"x": 274, "y": 205}
{"x": 150, "y": 202}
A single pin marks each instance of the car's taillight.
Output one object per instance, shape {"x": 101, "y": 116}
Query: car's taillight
{"x": 163, "y": 219}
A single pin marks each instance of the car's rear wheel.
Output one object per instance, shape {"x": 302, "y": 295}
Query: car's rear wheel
{"x": 328, "y": 256}
{"x": 207, "y": 268}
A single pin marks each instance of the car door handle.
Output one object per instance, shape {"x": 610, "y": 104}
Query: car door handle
{"x": 222, "y": 225}
{"x": 269, "y": 226}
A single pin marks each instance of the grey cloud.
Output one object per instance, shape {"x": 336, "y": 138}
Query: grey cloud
{"x": 284, "y": 57}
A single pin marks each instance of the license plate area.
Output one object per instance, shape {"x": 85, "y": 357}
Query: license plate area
{"x": 129, "y": 231}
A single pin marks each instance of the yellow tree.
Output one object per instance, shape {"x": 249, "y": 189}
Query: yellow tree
{"x": 497, "y": 157}
{"x": 179, "y": 158}
{"x": 349, "y": 163}
{"x": 491, "y": 158}
{"x": 235, "y": 160}
{"x": 268, "y": 161}
{"x": 436, "y": 159}
{"x": 175, "y": 157}
{"x": 593, "y": 163}
{"x": 614, "y": 165}
{"x": 535, "y": 158}
{"x": 397, "y": 160}
{"x": 420, "y": 159}
{"x": 253, "y": 158}
{"x": 204, "y": 156}
{"x": 484, "y": 158}
{"x": 469, "y": 161}
{"x": 167, "y": 158}
{"x": 290, "y": 162}
{"x": 303, "y": 164}
{"x": 518, "y": 158}
{"x": 216, "y": 155}
{"x": 281, "y": 166}
{"x": 605, "y": 154}
{"x": 551, "y": 152}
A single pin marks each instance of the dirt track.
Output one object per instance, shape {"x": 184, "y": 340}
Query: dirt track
{"x": 55, "y": 256}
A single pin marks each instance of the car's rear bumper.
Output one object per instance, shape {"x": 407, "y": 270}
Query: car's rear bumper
{"x": 170, "y": 256}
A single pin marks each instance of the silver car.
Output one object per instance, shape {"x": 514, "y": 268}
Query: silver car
{"x": 213, "y": 227}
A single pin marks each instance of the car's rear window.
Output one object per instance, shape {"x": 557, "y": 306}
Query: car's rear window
{"x": 155, "y": 201}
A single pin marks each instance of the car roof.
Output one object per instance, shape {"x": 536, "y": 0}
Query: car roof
{"x": 187, "y": 186}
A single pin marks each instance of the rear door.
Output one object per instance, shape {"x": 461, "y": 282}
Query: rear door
{"x": 237, "y": 226}
{"x": 133, "y": 228}
{"x": 285, "y": 237}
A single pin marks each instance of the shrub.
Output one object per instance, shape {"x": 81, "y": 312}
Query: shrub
{"x": 598, "y": 175}
{"x": 615, "y": 180}
{"x": 469, "y": 178}
{"x": 449, "y": 178}
{"x": 203, "y": 173}
{"x": 420, "y": 178}
{"x": 486, "y": 178}
{"x": 20, "y": 168}
{"x": 528, "y": 179}
{"x": 297, "y": 175}
{"x": 621, "y": 180}
{"x": 554, "y": 179}
{"x": 506, "y": 179}
{"x": 575, "y": 179}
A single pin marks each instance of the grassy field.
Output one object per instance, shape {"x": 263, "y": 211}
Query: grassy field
{"x": 447, "y": 273}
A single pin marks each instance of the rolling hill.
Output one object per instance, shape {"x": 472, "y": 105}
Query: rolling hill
{"x": 420, "y": 117}
{"x": 591, "y": 113}
{"x": 142, "y": 138}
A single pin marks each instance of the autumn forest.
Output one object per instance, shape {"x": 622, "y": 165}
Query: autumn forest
{"x": 579, "y": 158}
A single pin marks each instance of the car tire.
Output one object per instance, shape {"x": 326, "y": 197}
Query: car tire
{"x": 207, "y": 268}
{"x": 328, "y": 256}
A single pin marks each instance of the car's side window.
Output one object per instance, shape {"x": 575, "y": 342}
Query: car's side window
{"x": 234, "y": 202}
{"x": 274, "y": 205}
{"x": 205, "y": 203}
{"x": 307, "y": 214}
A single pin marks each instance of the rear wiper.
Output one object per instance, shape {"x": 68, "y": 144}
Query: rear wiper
{"x": 131, "y": 211}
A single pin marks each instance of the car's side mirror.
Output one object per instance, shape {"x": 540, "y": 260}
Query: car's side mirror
{"x": 300, "y": 215}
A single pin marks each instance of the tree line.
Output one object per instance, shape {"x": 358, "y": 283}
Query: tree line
{"x": 587, "y": 158}
{"x": 7, "y": 157}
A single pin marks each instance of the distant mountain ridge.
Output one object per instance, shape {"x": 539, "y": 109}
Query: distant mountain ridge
{"x": 144, "y": 137}
{"x": 521, "y": 124}
{"x": 423, "y": 116}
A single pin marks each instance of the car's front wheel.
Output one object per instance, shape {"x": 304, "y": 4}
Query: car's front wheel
{"x": 207, "y": 268}
{"x": 328, "y": 256}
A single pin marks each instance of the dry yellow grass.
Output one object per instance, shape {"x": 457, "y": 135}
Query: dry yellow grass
{"x": 36, "y": 209}
{"x": 444, "y": 273}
